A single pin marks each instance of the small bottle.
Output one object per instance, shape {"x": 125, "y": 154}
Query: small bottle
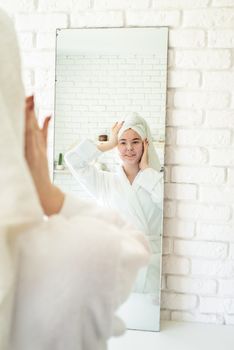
{"x": 60, "y": 165}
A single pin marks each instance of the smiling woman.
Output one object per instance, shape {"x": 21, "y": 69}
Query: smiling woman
{"x": 135, "y": 190}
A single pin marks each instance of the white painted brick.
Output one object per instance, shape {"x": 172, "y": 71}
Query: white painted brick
{"x": 63, "y": 6}
{"x": 203, "y": 59}
{"x": 183, "y": 79}
{"x": 203, "y": 137}
{"x": 167, "y": 174}
{"x": 38, "y": 59}
{"x": 226, "y": 287}
{"x": 169, "y": 209}
{"x": 46, "y": 41}
{"x": 216, "y": 269}
{"x": 229, "y": 319}
{"x": 222, "y": 156}
{"x": 170, "y": 136}
{"x": 223, "y": 3}
{"x": 200, "y": 249}
{"x": 198, "y": 100}
{"x": 231, "y": 251}
{"x": 214, "y": 232}
{"x": 170, "y": 98}
{"x": 26, "y": 41}
{"x": 221, "y": 38}
{"x": 223, "y": 194}
{"x": 196, "y": 317}
{"x": 184, "y": 155}
{"x": 209, "y": 18}
{"x": 184, "y": 118}
{"x": 41, "y": 22}
{"x": 230, "y": 179}
{"x": 198, "y": 175}
{"x": 175, "y": 265}
{"x": 167, "y": 246}
{"x": 44, "y": 78}
{"x": 181, "y": 38}
{"x": 191, "y": 285}
{"x": 220, "y": 119}
{"x": 121, "y": 4}
{"x": 153, "y": 18}
{"x": 163, "y": 282}
{"x": 28, "y": 77}
{"x": 216, "y": 305}
{"x": 232, "y": 102}
{"x": 218, "y": 80}
{"x": 28, "y": 80}
{"x": 174, "y": 301}
{"x": 18, "y": 6}
{"x": 165, "y": 315}
{"x": 179, "y": 191}
{"x": 202, "y": 212}
{"x": 97, "y": 19}
{"x": 45, "y": 98}
{"x": 180, "y": 4}
{"x": 171, "y": 58}
{"x": 178, "y": 228}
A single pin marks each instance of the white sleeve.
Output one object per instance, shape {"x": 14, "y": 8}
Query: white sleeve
{"x": 74, "y": 206}
{"x": 79, "y": 161}
{"x": 74, "y": 274}
{"x": 152, "y": 181}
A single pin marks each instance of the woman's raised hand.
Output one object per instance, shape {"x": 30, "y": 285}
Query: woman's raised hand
{"x": 144, "y": 162}
{"x": 113, "y": 141}
{"x": 50, "y": 196}
{"x": 36, "y": 144}
{"x": 114, "y": 133}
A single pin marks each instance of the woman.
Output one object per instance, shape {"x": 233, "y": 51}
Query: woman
{"x": 135, "y": 190}
{"x": 62, "y": 278}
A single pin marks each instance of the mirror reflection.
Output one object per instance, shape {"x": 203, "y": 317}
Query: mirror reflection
{"x": 110, "y": 135}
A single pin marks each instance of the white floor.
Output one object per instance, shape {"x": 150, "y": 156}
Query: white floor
{"x": 178, "y": 336}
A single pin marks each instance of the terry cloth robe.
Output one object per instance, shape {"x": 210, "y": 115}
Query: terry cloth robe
{"x": 62, "y": 279}
{"x": 140, "y": 203}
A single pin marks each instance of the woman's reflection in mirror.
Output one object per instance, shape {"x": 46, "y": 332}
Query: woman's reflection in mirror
{"x": 135, "y": 190}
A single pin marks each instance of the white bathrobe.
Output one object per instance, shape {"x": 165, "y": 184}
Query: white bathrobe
{"x": 140, "y": 203}
{"x": 61, "y": 279}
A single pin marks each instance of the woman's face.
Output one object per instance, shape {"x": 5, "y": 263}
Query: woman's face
{"x": 130, "y": 147}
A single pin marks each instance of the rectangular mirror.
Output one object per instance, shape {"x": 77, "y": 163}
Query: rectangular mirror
{"x": 104, "y": 76}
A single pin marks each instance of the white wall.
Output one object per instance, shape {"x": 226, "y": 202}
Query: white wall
{"x": 198, "y": 268}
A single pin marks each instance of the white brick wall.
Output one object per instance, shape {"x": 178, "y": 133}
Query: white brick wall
{"x": 198, "y": 261}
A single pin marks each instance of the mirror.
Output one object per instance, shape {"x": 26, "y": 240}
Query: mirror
{"x": 105, "y": 76}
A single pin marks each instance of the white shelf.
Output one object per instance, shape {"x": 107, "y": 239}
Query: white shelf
{"x": 64, "y": 171}
{"x": 178, "y": 336}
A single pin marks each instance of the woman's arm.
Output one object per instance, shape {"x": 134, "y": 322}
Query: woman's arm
{"x": 50, "y": 196}
{"x": 79, "y": 161}
{"x": 112, "y": 143}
